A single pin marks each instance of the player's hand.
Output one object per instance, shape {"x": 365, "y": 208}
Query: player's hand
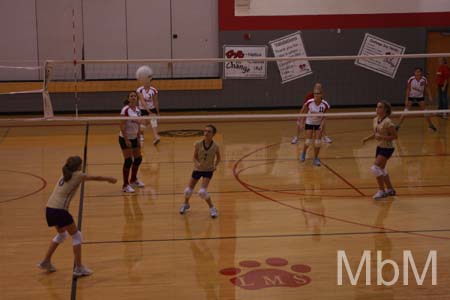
{"x": 128, "y": 143}
{"x": 378, "y": 137}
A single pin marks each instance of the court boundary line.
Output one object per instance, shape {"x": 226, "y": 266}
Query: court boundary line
{"x": 261, "y": 236}
{"x": 73, "y": 292}
{"x": 287, "y": 191}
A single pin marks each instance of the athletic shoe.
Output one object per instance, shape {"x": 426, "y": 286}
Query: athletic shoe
{"x": 391, "y": 192}
{"x": 379, "y": 195}
{"x": 138, "y": 183}
{"x": 316, "y": 161}
{"x": 213, "y": 212}
{"x": 184, "y": 207}
{"x": 303, "y": 156}
{"x": 156, "y": 141}
{"x": 46, "y": 265}
{"x": 294, "y": 140}
{"x": 128, "y": 189}
{"x": 432, "y": 128}
{"x": 82, "y": 271}
{"x": 327, "y": 140}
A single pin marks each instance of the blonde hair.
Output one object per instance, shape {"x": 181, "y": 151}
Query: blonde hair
{"x": 386, "y": 106}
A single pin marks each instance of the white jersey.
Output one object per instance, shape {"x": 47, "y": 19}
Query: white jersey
{"x": 148, "y": 96}
{"x": 417, "y": 87}
{"x": 131, "y": 126}
{"x": 313, "y": 108}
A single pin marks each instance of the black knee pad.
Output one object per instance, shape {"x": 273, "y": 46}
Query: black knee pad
{"x": 137, "y": 161}
{"x": 127, "y": 163}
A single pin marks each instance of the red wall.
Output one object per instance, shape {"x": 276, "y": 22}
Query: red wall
{"x": 227, "y": 20}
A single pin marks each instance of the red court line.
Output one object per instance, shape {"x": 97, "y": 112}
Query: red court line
{"x": 247, "y": 186}
{"x": 44, "y": 184}
{"x": 343, "y": 179}
{"x": 292, "y": 191}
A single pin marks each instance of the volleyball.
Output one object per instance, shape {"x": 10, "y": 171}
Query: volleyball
{"x": 144, "y": 72}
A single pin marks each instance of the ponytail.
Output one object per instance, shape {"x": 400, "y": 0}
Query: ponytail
{"x": 73, "y": 164}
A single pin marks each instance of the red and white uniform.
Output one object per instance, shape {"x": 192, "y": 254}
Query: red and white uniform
{"x": 131, "y": 126}
{"x": 148, "y": 96}
{"x": 417, "y": 87}
{"x": 313, "y": 108}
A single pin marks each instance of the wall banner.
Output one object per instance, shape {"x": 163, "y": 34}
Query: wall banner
{"x": 245, "y": 69}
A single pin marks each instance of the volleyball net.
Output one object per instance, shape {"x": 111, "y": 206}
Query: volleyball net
{"x": 241, "y": 80}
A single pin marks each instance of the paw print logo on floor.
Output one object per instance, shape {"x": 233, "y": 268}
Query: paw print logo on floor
{"x": 275, "y": 274}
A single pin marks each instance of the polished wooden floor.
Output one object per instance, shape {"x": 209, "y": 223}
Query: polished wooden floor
{"x": 280, "y": 224}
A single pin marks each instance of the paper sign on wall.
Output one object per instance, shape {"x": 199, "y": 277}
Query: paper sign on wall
{"x": 291, "y": 46}
{"x": 373, "y": 45}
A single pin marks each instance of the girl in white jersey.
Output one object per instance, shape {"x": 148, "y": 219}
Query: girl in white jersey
{"x": 415, "y": 92}
{"x": 129, "y": 143}
{"x": 384, "y": 132}
{"x": 58, "y": 216}
{"x": 149, "y": 106}
{"x": 206, "y": 159}
{"x": 314, "y": 125}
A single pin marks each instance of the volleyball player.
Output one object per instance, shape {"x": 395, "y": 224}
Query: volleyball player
{"x": 313, "y": 124}
{"x": 301, "y": 121}
{"x": 58, "y": 216}
{"x": 129, "y": 143}
{"x": 385, "y": 133}
{"x": 415, "y": 89}
{"x": 206, "y": 159}
{"x": 149, "y": 106}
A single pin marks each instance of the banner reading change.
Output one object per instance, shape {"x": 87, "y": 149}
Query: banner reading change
{"x": 245, "y": 69}
{"x": 373, "y": 45}
{"x": 291, "y": 46}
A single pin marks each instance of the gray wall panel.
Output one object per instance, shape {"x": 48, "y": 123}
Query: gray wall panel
{"x": 19, "y": 40}
{"x": 55, "y": 33}
{"x": 344, "y": 83}
{"x": 195, "y": 22}
{"x": 105, "y": 37}
{"x": 148, "y": 33}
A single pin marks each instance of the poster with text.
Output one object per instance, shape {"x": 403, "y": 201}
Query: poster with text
{"x": 373, "y": 45}
{"x": 291, "y": 46}
{"x": 245, "y": 69}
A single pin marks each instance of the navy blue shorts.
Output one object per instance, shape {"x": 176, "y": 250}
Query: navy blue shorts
{"x": 198, "y": 174}
{"x": 416, "y": 100}
{"x": 58, "y": 217}
{"x": 144, "y": 112}
{"x": 386, "y": 152}
{"x": 134, "y": 143}
{"x": 312, "y": 127}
